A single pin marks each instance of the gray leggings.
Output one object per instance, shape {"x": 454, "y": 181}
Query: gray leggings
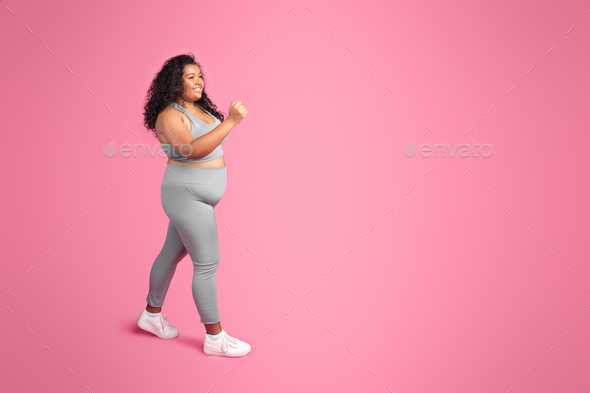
{"x": 189, "y": 195}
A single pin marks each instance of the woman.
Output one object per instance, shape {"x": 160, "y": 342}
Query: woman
{"x": 191, "y": 132}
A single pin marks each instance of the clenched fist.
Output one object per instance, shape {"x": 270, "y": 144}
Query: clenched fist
{"x": 237, "y": 112}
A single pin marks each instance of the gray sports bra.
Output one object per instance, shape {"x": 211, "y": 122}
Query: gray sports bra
{"x": 198, "y": 128}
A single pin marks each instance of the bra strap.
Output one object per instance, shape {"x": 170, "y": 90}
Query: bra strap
{"x": 175, "y": 105}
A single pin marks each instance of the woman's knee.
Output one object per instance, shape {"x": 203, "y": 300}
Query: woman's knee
{"x": 208, "y": 267}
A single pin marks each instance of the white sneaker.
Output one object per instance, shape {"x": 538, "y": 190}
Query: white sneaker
{"x": 226, "y": 346}
{"x": 157, "y": 325}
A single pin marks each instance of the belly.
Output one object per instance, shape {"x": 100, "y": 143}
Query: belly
{"x": 216, "y": 163}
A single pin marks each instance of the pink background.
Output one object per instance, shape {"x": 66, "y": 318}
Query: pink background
{"x": 445, "y": 274}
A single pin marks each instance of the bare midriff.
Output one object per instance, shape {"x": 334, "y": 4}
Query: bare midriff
{"x": 216, "y": 163}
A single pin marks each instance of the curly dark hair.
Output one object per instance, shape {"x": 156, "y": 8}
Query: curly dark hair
{"x": 164, "y": 90}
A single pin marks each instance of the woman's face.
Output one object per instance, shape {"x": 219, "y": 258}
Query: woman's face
{"x": 193, "y": 83}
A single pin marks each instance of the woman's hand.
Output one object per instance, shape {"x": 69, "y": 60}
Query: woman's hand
{"x": 237, "y": 112}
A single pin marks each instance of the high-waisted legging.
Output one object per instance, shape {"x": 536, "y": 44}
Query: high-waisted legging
{"x": 189, "y": 195}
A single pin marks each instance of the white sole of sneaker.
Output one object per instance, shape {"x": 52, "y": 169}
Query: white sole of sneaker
{"x": 207, "y": 352}
{"x": 148, "y": 328}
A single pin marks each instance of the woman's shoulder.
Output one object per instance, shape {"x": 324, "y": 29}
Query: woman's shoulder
{"x": 168, "y": 109}
{"x": 169, "y": 112}
{"x": 165, "y": 116}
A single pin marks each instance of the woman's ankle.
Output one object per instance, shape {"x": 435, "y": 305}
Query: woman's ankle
{"x": 153, "y": 310}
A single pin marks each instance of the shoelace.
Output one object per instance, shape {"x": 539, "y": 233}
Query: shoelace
{"x": 228, "y": 341}
{"x": 164, "y": 321}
